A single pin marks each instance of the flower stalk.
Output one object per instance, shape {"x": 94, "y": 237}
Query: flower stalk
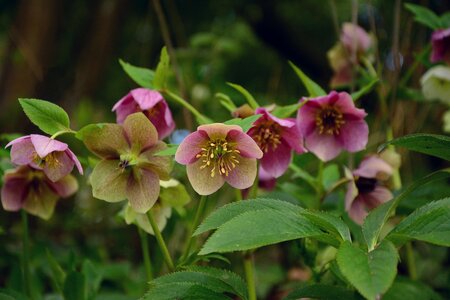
{"x": 198, "y": 216}
{"x": 161, "y": 242}
{"x": 146, "y": 253}
{"x": 250, "y": 275}
{"x": 25, "y": 255}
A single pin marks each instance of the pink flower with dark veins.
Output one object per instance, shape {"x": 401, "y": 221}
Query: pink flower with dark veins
{"x": 276, "y": 138}
{"x": 46, "y": 154}
{"x": 332, "y": 123}
{"x": 440, "y": 40}
{"x": 152, "y": 104}
{"x": 365, "y": 190}
{"x": 218, "y": 153}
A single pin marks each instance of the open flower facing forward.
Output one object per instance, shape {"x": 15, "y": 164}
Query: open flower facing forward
{"x": 436, "y": 84}
{"x": 31, "y": 189}
{"x": 152, "y": 104}
{"x": 276, "y": 138}
{"x": 331, "y": 123}
{"x": 46, "y": 154}
{"x": 129, "y": 168}
{"x": 440, "y": 40}
{"x": 216, "y": 153}
{"x": 365, "y": 190}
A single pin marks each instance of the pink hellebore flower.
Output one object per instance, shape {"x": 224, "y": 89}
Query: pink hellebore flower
{"x": 276, "y": 138}
{"x": 152, "y": 104}
{"x": 44, "y": 153}
{"x": 129, "y": 168}
{"x": 365, "y": 190}
{"x": 331, "y": 123}
{"x": 355, "y": 39}
{"x": 216, "y": 153}
{"x": 440, "y": 40}
{"x": 30, "y": 189}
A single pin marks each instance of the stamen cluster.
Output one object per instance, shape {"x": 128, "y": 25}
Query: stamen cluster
{"x": 220, "y": 156}
{"x": 329, "y": 120}
{"x": 267, "y": 136}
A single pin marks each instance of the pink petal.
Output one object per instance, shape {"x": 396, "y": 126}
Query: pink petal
{"x": 293, "y": 137}
{"x": 201, "y": 179}
{"x": 324, "y": 146}
{"x": 377, "y": 197}
{"x": 161, "y": 117}
{"x": 14, "y": 191}
{"x": 22, "y": 151}
{"x": 142, "y": 190}
{"x": 140, "y": 132}
{"x": 45, "y": 145}
{"x": 355, "y": 38}
{"x": 218, "y": 130}
{"x": 357, "y": 211}
{"x": 65, "y": 187}
{"x": 75, "y": 160}
{"x": 352, "y": 190}
{"x": 268, "y": 116}
{"x": 245, "y": 144}
{"x": 275, "y": 163}
{"x": 124, "y": 107}
{"x": 265, "y": 180}
{"x": 243, "y": 176}
{"x": 145, "y": 98}
{"x": 347, "y": 107}
{"x": 374, "y": 167}
{"x": 354, "y": 135}
{"x": 190, "y": 147}
{"x": 61, "y": 166}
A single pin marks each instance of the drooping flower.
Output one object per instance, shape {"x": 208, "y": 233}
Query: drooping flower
{"x": 43, "y": 153}
{"x": 243, "y": 111}
{"x": 436, "y": 84}
{"x": 129, "y": 168}
{"x": 331, "y": 123}
{"x": 31, "y": 189}
{"x": 355, "y": 39}
{"x": 440, "y": 40}
{"x": 216, "y": 153}
{"x": 365, "y": 190}
{"x": 276, "y": 138}
{"x": 152, "y": 104}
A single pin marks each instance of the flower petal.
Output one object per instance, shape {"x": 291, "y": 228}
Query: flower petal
{"x": 65, "y": 187}
{"x": 124, "y": 107}
{"x": 145, "y": 98}
{"x": 74, "y": 158}
{"x": 293, "y": 137}
{"x": 141, "y": 133}
{"x": 324, "y": 146}
{"x": 107, "y": 140}
{"x": 268, "y": 116}
{"x": 377, "y": 197}
{"x": 22, "y": 151}
{"x": 190, "y": 147}
{"x": 15, "y": 189}
{"x": 218, "y": 130}
{"x": 162, "y": 119}
{"x": 162, "y": 165}
{"x": 245, "y": 144}
{"x": 142, "y": 190}
{"x": 354, "y": 135}
{"x": 60, "y": 166}
{"x": 243, "y": 176}
{"x": 306, "y": 117}
{"x": 357, "y": 211}
{"x": 45, "y": 145}
{"x": 374, "y": 167}
{"x": 348, "y": 108}
{"x": 109, "y": 181}
{"x": 275, "y": 163}
{"x": 41, "y": 201}
{"x": 201, "y": 179}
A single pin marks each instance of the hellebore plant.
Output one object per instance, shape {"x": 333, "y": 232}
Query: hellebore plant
{"x": 129, "y": 168}
{"x": 436, "y": 84}
{"x": 331, "y": 123}
{"x": 219, "y": 153}
{"x": 152, "y": 104}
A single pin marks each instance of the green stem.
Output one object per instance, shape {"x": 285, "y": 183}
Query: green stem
{"x": 238, "y": 194}
{"x": 61, "y": 132}
{"x": 410, "y": 261}
{"x": 160, "y": 240}
{"x": 200, "y": 118}
{"x": 198, "y": 216}
{"x": 146, "y": 253}
{"x": 396, "y": 179}
{"x": 250, "y": 275}
{"x": 254, "y": 188}
{"x": 25, "y": 253}
{"x": 417, "y": 62}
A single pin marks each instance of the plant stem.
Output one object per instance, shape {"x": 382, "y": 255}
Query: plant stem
{"x": 250, "y": 275}
{"x": 410, "y": 261}
{"x": 62, "y": 132}
{"x": 198, "y": 216}
{"x": 160, "y": 240}
{"x": 146, "y": 253}
{"x": 25, "y": 253}
{"x": 238, "y": 194}
{"x": 200, "y": 118}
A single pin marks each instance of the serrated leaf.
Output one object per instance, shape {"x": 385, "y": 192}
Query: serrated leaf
{"x": 321, "y": 291}
{"x": 75, "y": 286}
{"x": 182, "y": 291}
{"x": 313, "y": 88}
{"x": 162, "y": 70}
{"x": 431, "y": 144}
{"x": 245, "y": 124}
{"x": 370, "y": 273}
{"x": 329, "y": 223}
{"x": 375, "y": 220}
{"x": 250, "y": 99}
{"x": 430, "y": 223}
{"x": 404, "y": 288}
{"x": 49, "y": 117}
{"x": 365, "y": 89}
{"x": 142, "y": 76}
{"x": 424, "y": 16}
{"x": 170, "y": 150}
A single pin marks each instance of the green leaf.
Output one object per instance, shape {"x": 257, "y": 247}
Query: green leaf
{"x": 162, "y": 70}
{"x": 370, "y": 273}
{"x": 226, "y": 102}
{"x": 286, "y": 111}
{"x": 365, "y": 89}
{"x": 170, "y": 150}
{"x": 93, "y": 277}
{"x": 404, "y": 288}
{"x": 445, "y": 20}
{"x": 321, "y": 291}
{"x": 58, "y": 274}
{"x": 424, "y": 16}
{"x": 75, "y": 286}
{"x": 175, "y": 196}
{"x": 375, "y": 220}
{"x": 430, "y": 223}
{"x": 182, "y": 291}
{"x": 49, "y": 117}
{"x": 431, "y": 144}
{"x": 245, "y": 124}
{"x": 329, "y": 223}
{"x": 86, "y": 130}
{"x": 250, "y": 99}
{"x": 142, "y": 76}
{"x": 313, "y": 88}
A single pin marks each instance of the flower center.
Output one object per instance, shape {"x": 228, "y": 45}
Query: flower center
{"x": 51, "y": 160}
{"x": 220, "y": 156}
{"x": 366, "y": 185}
{"x": 329, "y": 120}
{"x": 267, "y": 135}
{"x": 126, "y": 160}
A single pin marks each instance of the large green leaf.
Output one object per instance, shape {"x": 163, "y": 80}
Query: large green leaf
{"x": 430, "y": 223}
{"x": 250, "y": 99}
{"x": 169, "y": 151}
{"x": 321, "y": 291}
{"x": 49, "y": 117}
{"x": 404, "y": 288}
{"x": 313, "y": 88}
{"x": 431, "y": 144}
{"x": 245, "y": 123}
{"x": 162, "y": 70}
{"x": 329, "y": 223}
{"x": 371, "y": 273}
{"x": 182, "y": 291}
{"x": 375, "y": 220}
{"x": 424, "y": 16}
{"x": 142, "y": 76}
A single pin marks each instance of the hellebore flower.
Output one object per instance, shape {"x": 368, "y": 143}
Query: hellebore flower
{"x": 331, "y": 123}
{"x": 355, "y": 39}
{"x": 216, "y": 153}
{"x": 152, "y": 104}
{"x": 436, "y": 84}
{"x": 129, "y": 168}
{"x": 440, "y": 40}
{"x": 44, "y": 153}
{"x": 365, "y": 191}
{"x": 31, "y": 189}
{"x": 276, "y": 138}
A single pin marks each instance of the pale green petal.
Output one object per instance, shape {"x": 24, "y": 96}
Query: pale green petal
{"x": 140, "y": 131}
{"x": 201, "y": 179}
{"x": 142, "y": 190}
{"x": 41, "y": 201}
{"x": 174, "y": 196}
{"x": 160, "y": 214}
{"x": 109, "y": 181}
{"x": 105, "y": 140}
